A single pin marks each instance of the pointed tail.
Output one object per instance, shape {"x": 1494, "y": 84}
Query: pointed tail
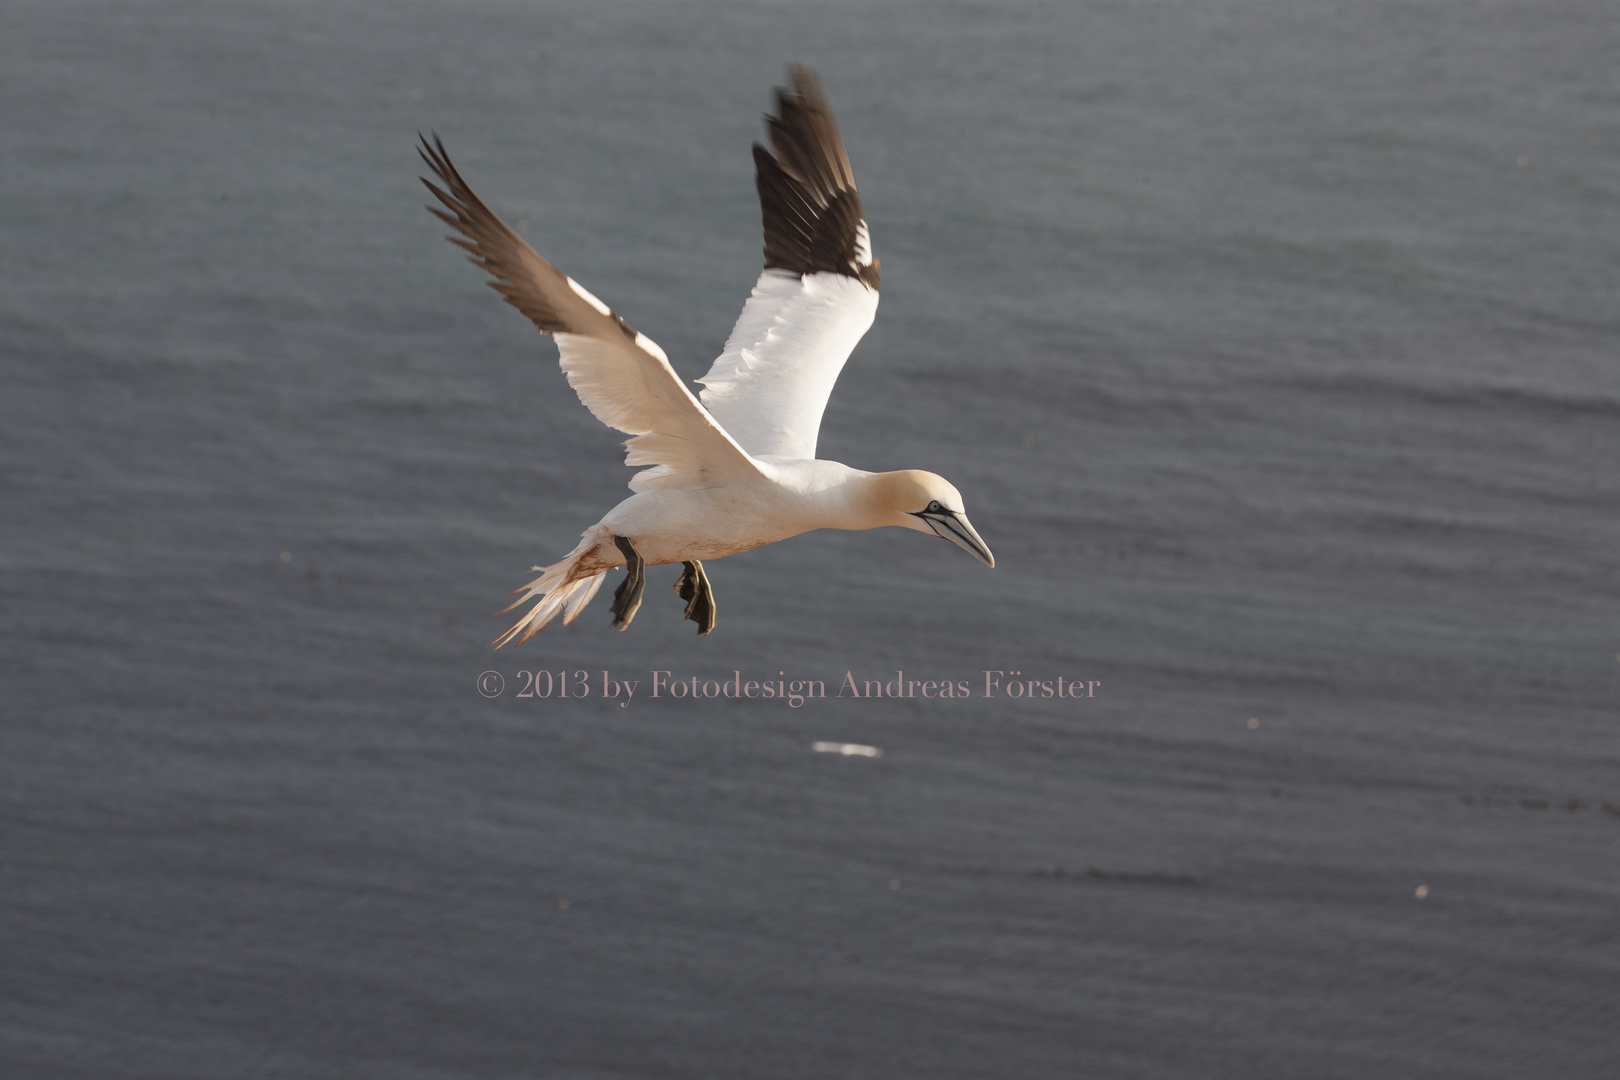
{"x": 563, "y": 588}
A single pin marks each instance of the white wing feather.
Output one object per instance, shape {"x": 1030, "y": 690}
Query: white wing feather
{"x": 632, "y": 387}
{"x": 770, "y": 385}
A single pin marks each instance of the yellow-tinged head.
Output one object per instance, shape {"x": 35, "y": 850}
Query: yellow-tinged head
{"x": 923, "y": 501}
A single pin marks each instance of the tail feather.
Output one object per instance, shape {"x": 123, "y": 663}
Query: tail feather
{"x": 583, "y": 597}
{"x": 563, "y": 588}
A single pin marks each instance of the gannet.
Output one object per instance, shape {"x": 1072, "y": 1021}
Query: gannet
{"x": 738, "y": 468}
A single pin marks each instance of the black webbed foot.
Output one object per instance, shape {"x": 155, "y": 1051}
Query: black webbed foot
{"x": 693, "y": 587}
{"x": 627, "y": 597}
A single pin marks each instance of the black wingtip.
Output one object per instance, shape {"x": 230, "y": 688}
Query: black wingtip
{"x": 812, "y": 216}
{"x": 437, "y": 158}
{"x": 803, "y": 82}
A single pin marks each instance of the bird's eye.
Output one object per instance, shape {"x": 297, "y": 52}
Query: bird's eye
{"x": 934, "y": 508}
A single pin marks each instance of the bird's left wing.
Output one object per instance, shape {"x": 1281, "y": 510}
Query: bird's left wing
{"x": 622, "y": 376}
{"x": 819, "y": 291}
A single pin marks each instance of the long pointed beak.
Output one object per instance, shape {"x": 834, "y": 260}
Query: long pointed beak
{"x": 958, "y": 530}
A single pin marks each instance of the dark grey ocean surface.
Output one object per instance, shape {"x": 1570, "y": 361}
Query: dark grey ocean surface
{"x": 1273, "y": 346}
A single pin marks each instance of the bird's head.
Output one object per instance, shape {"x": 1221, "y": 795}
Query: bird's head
{"x": 919, "y": 500}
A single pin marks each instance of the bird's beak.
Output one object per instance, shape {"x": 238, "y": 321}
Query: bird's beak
{"x": 958, "y": 530}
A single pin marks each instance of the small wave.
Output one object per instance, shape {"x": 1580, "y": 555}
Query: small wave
{"x": 1458, "y": 395}
{"x": 1130, "y": 877}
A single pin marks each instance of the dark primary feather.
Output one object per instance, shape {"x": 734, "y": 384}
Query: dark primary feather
{"x": 529, "y": 282}
{"x": 807, "y": 194}
{"x": 622, "y": 377}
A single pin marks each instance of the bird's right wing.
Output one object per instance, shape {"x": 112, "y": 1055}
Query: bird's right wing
{"x": 819, "y": 291}
{"x": 622, "y": 376}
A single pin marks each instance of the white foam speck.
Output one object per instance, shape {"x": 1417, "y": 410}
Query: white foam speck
{"x": 848, "y": 749}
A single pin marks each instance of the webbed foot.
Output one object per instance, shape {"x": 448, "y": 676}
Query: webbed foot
{"x": 693, "y": 587}
{"x": 627, "y": 597}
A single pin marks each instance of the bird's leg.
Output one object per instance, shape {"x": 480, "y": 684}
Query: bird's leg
{"x": 627, "y": 598}
{"x": 694, "y": 589}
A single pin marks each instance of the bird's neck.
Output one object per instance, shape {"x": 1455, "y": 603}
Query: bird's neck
{"x": 862, "y": 500}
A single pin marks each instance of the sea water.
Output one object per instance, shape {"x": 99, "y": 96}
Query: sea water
{"x": 1272, "y": 346}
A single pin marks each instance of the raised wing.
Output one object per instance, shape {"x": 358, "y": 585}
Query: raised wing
{"x": 819, "y": 291}
{"x": 622, "y": 376}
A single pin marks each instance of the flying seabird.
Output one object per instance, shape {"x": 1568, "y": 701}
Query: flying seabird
{"x": 738, "y": 468}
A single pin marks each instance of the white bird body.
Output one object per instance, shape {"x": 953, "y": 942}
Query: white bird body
{"x": 790, "y": 497}
{"x": 737, "y": 469}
